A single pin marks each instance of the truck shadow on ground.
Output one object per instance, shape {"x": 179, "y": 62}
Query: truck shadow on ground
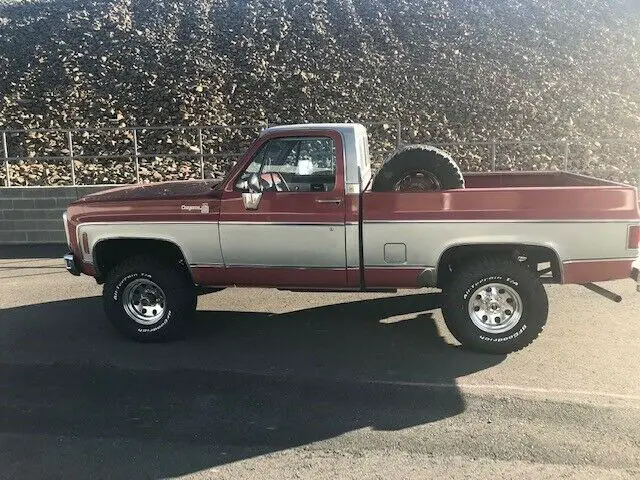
{"x": 242, "y": 384}
{"x": 30, "y": 252}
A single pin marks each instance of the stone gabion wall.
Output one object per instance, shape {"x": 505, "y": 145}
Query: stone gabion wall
{"x": 450, "y": 71}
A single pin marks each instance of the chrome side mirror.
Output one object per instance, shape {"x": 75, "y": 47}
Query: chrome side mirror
{"x": 251, "y": 200}
{"x": 251, "y": 191}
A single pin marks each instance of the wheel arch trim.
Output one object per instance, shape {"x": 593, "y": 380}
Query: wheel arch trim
{"x": 106, "y": 239}
{"x": 506, "y": 245}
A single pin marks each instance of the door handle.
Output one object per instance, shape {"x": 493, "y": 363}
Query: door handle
{"x": 337, "y": 201}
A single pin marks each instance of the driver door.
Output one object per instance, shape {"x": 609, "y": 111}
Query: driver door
{"x": 282, "y": 218}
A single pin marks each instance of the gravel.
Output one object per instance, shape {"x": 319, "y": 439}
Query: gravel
{"x": 450, "y": 71}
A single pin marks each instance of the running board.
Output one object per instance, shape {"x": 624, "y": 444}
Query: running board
{"x": 614, "y": 297}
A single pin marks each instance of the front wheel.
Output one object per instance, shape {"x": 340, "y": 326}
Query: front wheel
{"x": 495, "y": 306}
{"x": 149, "y": 301}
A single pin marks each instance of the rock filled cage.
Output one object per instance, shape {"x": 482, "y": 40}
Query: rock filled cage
{"x": 524, "y": 85}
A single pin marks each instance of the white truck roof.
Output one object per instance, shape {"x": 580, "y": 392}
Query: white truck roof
{"x": 341, "y": 127}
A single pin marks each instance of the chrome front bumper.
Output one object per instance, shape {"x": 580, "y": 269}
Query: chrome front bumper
{"x": 71, "y": 265}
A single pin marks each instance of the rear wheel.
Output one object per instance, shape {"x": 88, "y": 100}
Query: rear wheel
{"x": 149, "y": 301}
{"x": 495, "y": 305}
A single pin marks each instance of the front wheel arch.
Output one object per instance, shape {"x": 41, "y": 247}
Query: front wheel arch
{"x": 110, "y": 252}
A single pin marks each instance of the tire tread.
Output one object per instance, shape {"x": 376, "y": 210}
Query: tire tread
{"x": 415, "y": 157}
{"x": 468, "y": 275}
{"x": 178, "y": 284}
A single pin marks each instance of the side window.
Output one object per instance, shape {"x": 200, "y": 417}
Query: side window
{"x": 301, "y": 164}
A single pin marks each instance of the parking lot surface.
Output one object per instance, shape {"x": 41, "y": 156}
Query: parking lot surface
{"x": 272, "y": 384}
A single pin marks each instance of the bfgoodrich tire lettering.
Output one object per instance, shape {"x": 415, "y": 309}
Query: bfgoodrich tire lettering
{"x": 171, "y": 286}
{"x": 509, "y": 287}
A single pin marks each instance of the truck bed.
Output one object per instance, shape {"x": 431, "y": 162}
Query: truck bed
{"x": 561, "y": 212}
{"x": 539, "y": 196}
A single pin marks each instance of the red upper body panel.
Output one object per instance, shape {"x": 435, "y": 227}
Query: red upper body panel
{"x": 502, "y": 196}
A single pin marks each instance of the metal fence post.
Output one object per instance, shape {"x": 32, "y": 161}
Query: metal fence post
{"x": 493, "y": 154}
{"x": 201, "y": 153}
{"x": 73, "y": 166}
{"x": 136, "y": 160}
{"x": 5, "y": 151}
{"x": 566, "y": 156}
{"x": 399, "y": 133}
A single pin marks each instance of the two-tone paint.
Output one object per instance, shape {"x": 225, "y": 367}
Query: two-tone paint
{"x": 351, "y": 237}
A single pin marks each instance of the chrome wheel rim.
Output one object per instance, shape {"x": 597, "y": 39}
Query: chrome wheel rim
{"x": 144, "y": 301}
{"x": 495, "y": 308}
{"x": 418, "y": 181}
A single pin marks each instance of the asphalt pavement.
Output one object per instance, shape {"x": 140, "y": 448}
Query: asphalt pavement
{"x": 272, "y": 384}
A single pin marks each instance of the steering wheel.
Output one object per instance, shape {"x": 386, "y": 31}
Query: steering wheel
{"x": 276, "y": 181}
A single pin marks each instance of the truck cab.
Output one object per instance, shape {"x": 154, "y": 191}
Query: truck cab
{"x": 298, "y": 185}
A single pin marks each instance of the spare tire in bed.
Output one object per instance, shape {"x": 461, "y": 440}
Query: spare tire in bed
{"x": 418, "y": 168}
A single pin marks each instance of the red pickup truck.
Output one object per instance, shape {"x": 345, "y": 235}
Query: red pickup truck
{"x": 302, "y": 211}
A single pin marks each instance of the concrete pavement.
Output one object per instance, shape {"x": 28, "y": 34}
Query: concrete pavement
{"x": 301, "y": 385}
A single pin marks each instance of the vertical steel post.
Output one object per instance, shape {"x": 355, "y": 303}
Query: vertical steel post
{"x": 73, "y": 166}
{"x": 5, "y": 152}
{"x": 399, "y": 133}
{"x": 201, "y": 153}
{"x": 493, "y": 154}
{"x": 136, "y": 161}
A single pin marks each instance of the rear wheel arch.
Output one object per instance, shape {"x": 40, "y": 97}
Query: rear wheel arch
{"x": 460, "y": 254}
